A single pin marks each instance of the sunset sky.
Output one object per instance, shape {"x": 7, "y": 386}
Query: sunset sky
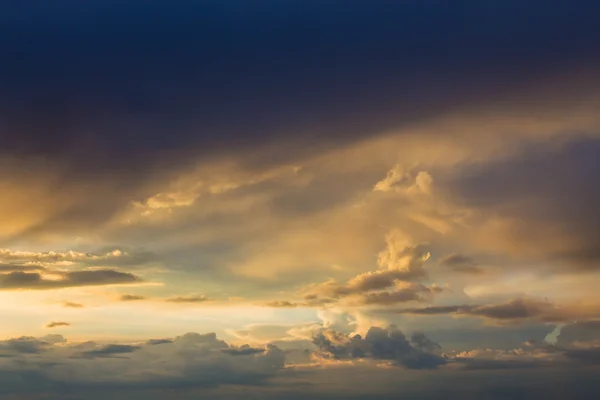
{"x": 299, "y": 199}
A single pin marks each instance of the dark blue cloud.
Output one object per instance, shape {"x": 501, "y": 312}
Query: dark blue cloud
{"x": 106, "y": 85}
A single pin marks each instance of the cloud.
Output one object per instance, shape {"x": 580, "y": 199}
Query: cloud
{"x": 132, "y": 297}
{"x": 539, "y": 204}
{"x": 405, "y": 293}
{"x": 589, "y": 356}
{"x": 519, "y": 309}
{"x": 71, "y": 304}
{"x": 111, "y": 350}
{"x": 281, "y": 304}
{"x": 384, "y": 344}
{"x": 243, "y": 350}
{"x": 403, "y": 262}
{"x": 20, "y": 268}
{"x": 461, "y": 263}
{"x": 26, "y": 345}
{"x": 189, "y": 361}
{"x": 55, "y": 324}
{"x": 156, "y": 342}
{"x": 188, "y": 299}
{"x": 33, "y": 280}
{"x": 423, "y": 343}
{"x": 113, "y": 257}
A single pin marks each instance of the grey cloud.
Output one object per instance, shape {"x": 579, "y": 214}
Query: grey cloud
{"x": 545, "y": 195}
{"x": 461, "y": 263}
{"x": 26, "y": 345}
{"x": 496, "y": 364}
{"x": 377, "y": 280}
{"x": 188, "y": 299}
{"x": 244, "y": 350}
{"x": 383, "y": 344}
{"x": 590, "y": 356}
{"x": 513, "y": 310}
{"x": 53, "y": 338}
{"x": 411, "y": 293}
{"x": 20, "y": 268}
{"x": 131, "y": 297}
{"x": 155, "y": 342}
{"x": 71, "y": 304}
{"x": 111, "y": 350}
{"x": 55, "y": 324}
{"x": 423, "y": 343}
{"x": 26, "y": 280}
{"x": 431, "y": 310}
{"x": 579, "y": 332}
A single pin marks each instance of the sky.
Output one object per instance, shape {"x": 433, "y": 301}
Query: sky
{"x": 299, "y": 199}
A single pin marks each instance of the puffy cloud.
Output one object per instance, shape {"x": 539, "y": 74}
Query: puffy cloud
{"x": 379, "y": 343}
{"x": 189, "y": 361}
{"x": 401, "y": 263}
{"x": 423, "y": 343}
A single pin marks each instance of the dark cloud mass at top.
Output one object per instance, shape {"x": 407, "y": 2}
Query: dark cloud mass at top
{"x": 106, "y": 86}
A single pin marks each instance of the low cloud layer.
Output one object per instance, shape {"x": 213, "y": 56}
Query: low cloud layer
{"x": 36, "y": 281}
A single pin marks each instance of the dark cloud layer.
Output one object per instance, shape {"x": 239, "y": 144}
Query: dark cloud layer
{"x": 34, "y": 280}
{"x": 520, "y": 309}
{"x": 103, "y": 85}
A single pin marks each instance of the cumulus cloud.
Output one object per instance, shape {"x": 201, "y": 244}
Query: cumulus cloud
{"x": 401, "y": 263}
{"x": 189, "y": 361}
{"x": 379, "y": 343}
{"x": 423, "y": 343}
{"x": 36, "y": 281}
